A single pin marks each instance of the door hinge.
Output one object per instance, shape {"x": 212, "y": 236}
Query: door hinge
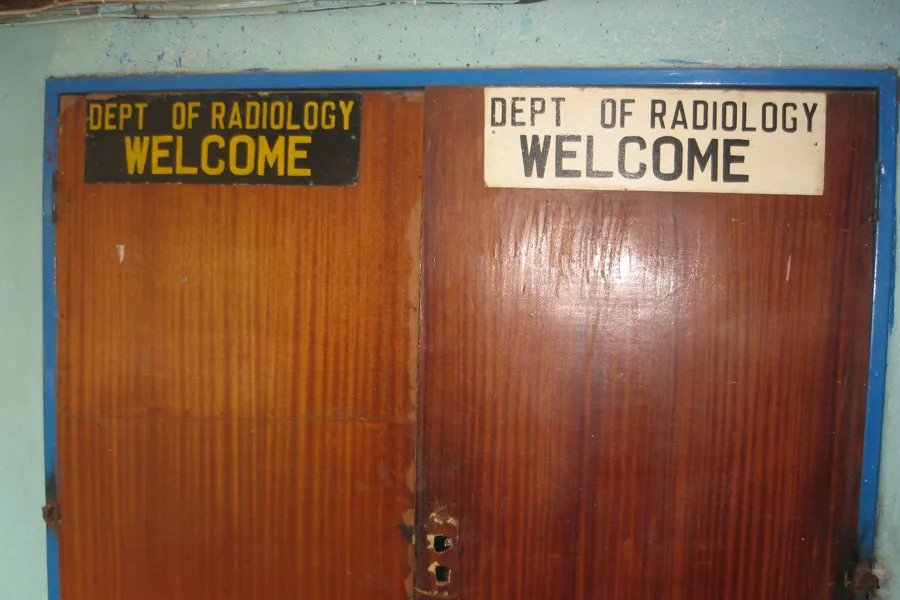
{"x": 862, "y": 580}
{"x": 51, "y": 514}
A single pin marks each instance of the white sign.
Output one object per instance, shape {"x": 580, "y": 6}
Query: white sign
{"x": 667, "y": 140}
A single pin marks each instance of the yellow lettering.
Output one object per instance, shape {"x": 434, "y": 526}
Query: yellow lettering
{"x": 295, "y": 154}
{"x": 346, "y": 108}
{"x": 157, "y": 153}
{"x": 234, "y": 122}
{"x": 179, "y": 116}
{"x": 218, "y": 115}
{"x": 252, "y": 116}
{"x": 311, "y": 116}
{"x": 109, "y": 113}
{"x": 95, "y": 116}
{"x": 204, "y": 152}
{"x": 279, "y": 123}
{"x": 269, "y": 156}
{"x": 136, "y": 153}
{"x": 290, "y": 117}
{"x": 247, "y": 168}
{"x": 328, "y": 118}
{"x": 140, "y": 106}
{"x": 180, "y": 168}
{"x": 192, "y": 113}
{"x": 124, "y": 114}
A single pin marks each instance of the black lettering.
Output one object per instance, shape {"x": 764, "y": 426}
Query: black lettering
{"x": 642, "y": 145}
{"x": 535, "y": 155}
{"x": 680, "y": 118}
{"x": 561, "y": 153}
{"x": 657, "y": 157}
{"x": 809, "y": 115}
{"x": 657, "y": 111}
{"x": 744, "y": 126}
{"x": 784, "y": 117}
{"x": 495, "y": 121}
{"x": 589, "y": 162}
{"x": 535, "y": 111}
{"x": 767, "y": 126}
{"x": 558, "y": 102}
{"x": 624, "y": 112}
{"x": 733, "y": 107}
{"x": 514, "y": 110}
{"x": 607, "y": 108}
{"x": 695, "y": 157}
{"x": 695, "y": 114}
{"x": 729, "y": 159}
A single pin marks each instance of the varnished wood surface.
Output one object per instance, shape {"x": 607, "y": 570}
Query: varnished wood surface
{"x": 236, "y": 395}
{"x": 636, "y": 395}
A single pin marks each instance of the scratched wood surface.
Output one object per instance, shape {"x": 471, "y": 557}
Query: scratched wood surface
{"x": 237, "y": 378}
{"x": 642, "y": 395}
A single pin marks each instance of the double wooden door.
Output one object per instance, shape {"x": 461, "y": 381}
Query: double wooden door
{"x": 419, "y": 386}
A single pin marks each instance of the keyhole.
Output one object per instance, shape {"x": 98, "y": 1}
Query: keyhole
{"x": 442, "y": 574}
{"x": 442, "y": 543}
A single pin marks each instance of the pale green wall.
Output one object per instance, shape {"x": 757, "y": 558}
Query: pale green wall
{"x": 553, "y": 33}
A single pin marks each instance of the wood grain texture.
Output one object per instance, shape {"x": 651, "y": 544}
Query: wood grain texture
{"x": 642, "y": 395}
{"x": 236, "y": 394}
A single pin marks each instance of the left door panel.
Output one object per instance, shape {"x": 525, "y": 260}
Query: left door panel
{"x": 236, "y": 377}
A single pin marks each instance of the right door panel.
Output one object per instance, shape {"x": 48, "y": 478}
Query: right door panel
{"x": 641, "y": 395}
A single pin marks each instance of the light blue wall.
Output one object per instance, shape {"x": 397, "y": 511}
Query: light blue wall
{"x": 553, "y": 33}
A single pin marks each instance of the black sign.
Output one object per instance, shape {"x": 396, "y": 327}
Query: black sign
{"x": 285, "y": 138}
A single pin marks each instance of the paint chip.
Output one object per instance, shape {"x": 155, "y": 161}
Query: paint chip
{"x": 121, "y": 250}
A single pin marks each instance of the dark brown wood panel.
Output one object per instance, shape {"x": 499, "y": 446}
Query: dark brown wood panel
{"x": 237, "y": 378}
{"x": 642, "y": 395}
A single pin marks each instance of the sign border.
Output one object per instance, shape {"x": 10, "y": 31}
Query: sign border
{"x": 883, "y": 81}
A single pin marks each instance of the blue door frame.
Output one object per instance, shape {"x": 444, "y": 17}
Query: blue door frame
{"x": 884, "y": 82}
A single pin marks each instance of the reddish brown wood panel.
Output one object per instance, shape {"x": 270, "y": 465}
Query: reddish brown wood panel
{"x": 236, "y": 391}
{"x": 642, "y": 395}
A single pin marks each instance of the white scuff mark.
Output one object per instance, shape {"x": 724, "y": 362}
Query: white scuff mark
{"x": 788, "y": 276}
{"x": 720, "y": 29}
{"x": 439, "y": 520}
{"x": 121, "y": 250}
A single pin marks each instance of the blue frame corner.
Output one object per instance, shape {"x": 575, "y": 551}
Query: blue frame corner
{"x": 882, "y": 81}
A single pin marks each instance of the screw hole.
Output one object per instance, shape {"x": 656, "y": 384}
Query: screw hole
{"x": 442, "y": 543}
{"x": 442, "y": 574}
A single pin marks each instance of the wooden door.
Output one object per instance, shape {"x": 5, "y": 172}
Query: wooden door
{"x": 237, "y": 378}
{"x": 641, "y": 395}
